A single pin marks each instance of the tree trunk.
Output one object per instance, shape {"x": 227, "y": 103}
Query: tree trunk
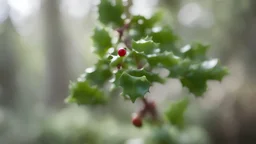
{"x": 8, "y": 86}
{"x": 57, "y": 69}
{"x": 249, "y": 39}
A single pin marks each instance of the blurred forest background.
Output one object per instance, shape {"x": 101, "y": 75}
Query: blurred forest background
{"x": 46, "y": 43}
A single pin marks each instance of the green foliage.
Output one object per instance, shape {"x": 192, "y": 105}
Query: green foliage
{"x": 110, "y": 12}
{"x": 197, "y": 75}
{"x": 99, "y": 74}
{"x": 145, "y": 45}
{"x": 152, "y": 77}
{"x": 172, "y": 135}
{"x": 149, "y": 45}
{"x": 140, "y": 26}
{"x": 195, "y": 51}
{"x": 83, "y": 93}
{"x": 154, "y": 48}
{"x": 166, "y": 59}
{"x": 175, "y": 113}
{"x": 133, "y": 86}
{"x": 115, "y": 61}
{"x": 101, "y": 41}
{"x": 161, "y": 136}
{"x": 166, "y": 38}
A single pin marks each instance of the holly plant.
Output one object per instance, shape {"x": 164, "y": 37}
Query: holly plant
{"x": 131, "y": 49}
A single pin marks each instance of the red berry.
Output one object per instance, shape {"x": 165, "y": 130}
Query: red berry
{"x": 121, "y": 52}
{"x": 136, "y": 120}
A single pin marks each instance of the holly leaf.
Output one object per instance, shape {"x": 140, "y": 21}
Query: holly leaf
{"x": 110, "y": 12}
{"x": 98, "y": 74}
{"x": 175, "y": 113}
{"x": 116, "y": 60}
{"x": 152, "y": 77}
{"x": 140, "y": 26}
{"x": 195, "y": 51}
{"x": 146, "y": 45}
{"x": 136, "y": 54}
{"x": 180, "y": 69}
{"x": 213, "y": 70}
{"x": 134, "y": 87}
{"x": 166, "y": 38}
{"x": 81, "y": 92}
{"x": 197, "y": 75}
{"x": 101, "y": 41}
{"x": 195, "y": 86}
{"x": 144, "y": 23}
{"x": 116, "y": 79}
{"x": 134, "y": 58}
{"x": 166, "y": 59}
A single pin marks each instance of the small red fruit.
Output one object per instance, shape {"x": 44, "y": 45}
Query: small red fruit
{"x": 136, "y": 120}
{"x": 121, "y": 52}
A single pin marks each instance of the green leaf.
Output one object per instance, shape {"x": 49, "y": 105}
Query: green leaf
{"x": 152, "y": 77}
{"x": 140, "y": 26}
{"x": 213, "y": 70}
{"x": 144, "y": 23}
{"x": 110, "y": 12}
{"x": 138, "y": 55}
{"x": 116, "y": 60}
{"x": 195, "y": 86}
{"x": 180, "y": 69}
{"x": 175, "y": 113}
{"x": 196, "y": 51}
{"x": 134, "y": 87}
{"x": 156, "y": 17}
{"x": 81, "y": 92}
{"x": 145, "y": 45}
{"x": 101, "y": 41}
{"x": 166, "y": 38}
{"x": 166, "y": 59}
{"x": 99, "y": 74}
{"x": 197, "y": 75}
{"x": 116, "y": 79}
{"x": 134, "y": 58}
{"x": 162, "y": 135}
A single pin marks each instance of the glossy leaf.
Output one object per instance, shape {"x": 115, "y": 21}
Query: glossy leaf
{"x": 152, "y": 77}
{"x": 81, "y": 92}
{"x": 99, "y": 74}
{"x": 175, "y": 113}
{"x": 116, "y": 79}
{"x": 197, "y": 75}
{"x": 101, "y": 41}
{"x": 110, "y": 12}
{"x": 180, "y": 69}
{"x": 135, "y": 58}
{"x": 166, "y": 38}
{"x": 146, "y": 45}
{"x": 195, "y": 86}
{"x": 195, "y": 51}
{"x": 116, "y": 60}
{"x": 139, "y": 55}
{"x": 134, "y": 87}
{"x": 166, "y": 59}
{"x": 213, "y": 70}
{"x": 141, "y": 26}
